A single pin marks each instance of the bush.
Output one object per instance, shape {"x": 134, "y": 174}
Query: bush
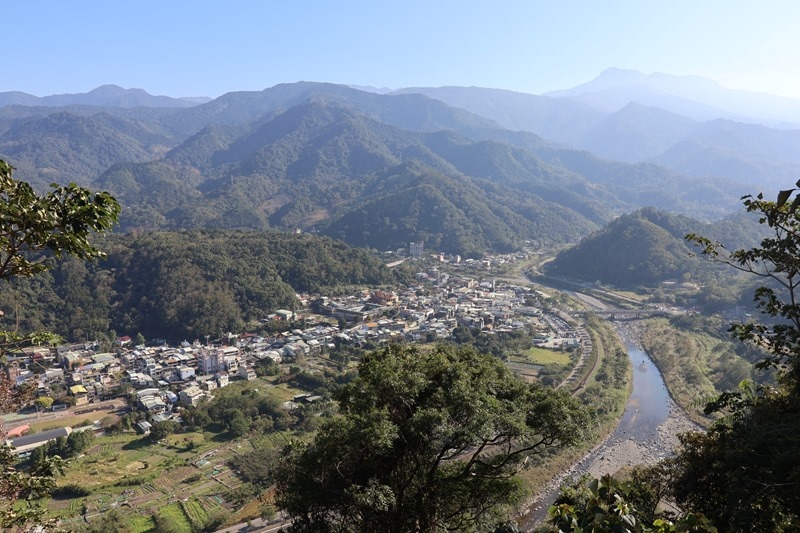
{"x": 71, "y": 490}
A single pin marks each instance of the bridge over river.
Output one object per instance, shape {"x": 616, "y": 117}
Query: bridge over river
{"x": 626, "y": 314}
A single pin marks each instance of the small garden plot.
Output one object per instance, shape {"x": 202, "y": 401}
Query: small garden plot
{"x": 196, "y": 513}
{"x": 527, "y": 371}
{"x": 172, "y": 518}
{"x": 140, "y": 524}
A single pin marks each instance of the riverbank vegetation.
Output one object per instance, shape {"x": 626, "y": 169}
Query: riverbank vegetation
{"x": 741, "y": 475}
{"x": 698, "y": 360}
{"x": 606, "y": 392}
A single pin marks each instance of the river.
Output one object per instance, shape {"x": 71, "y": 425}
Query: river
{"x": 646, "y": 431}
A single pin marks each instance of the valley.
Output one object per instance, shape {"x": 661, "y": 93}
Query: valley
{"x": 272, "y": 245}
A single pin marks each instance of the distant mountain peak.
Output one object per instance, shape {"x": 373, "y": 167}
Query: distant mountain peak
{"x": 693, "y": 96}
{"x": 115, "y": 91}
{"x": 109, "y": 95}
{"x": 110, "y": 90}
{"x": 617, "y": 78}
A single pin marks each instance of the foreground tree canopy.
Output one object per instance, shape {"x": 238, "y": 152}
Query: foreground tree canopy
{"x": 33, "y": 230}
{"x": 60, "y": 222}
{"x": 744, "y": 474}
{"x": 427, "y": 441}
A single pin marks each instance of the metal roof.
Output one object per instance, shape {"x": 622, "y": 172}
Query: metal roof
{"x": 40, "y": 437}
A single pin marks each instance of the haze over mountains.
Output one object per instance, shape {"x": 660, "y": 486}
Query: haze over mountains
{"x": 464, "y": 170}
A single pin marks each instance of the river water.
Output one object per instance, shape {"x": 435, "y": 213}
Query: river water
{"x": 648, "y": 407}
{"x": 649, "y": 403}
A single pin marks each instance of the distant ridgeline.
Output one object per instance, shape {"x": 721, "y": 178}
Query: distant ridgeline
{"x": 373, "y": 170}
{"x": 181, "y": 285}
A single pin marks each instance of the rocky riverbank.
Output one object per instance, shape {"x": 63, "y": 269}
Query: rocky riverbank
{"x": 620, "y": 451}
{"x": 618, "y": 454}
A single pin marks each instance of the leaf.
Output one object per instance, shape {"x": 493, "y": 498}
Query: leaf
{"x": 795, "y": 205}
{"x": 783, "y": 196}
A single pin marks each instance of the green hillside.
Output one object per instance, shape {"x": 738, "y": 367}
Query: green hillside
{"x": 186, "y": 284}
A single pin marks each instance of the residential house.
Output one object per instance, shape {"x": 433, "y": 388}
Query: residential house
{"x": 80, "y": 393}
{"x": 191, "y": 395}
{"x": 247, "y": 373}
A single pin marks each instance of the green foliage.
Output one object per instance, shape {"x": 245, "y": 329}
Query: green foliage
{"x": 161, "y": 430}
{"x": 65, "y": 447}
{"x": 246, "y": 413}
{"x": 59, "y": 222}
{"x": 71, "y": 147}
{"x": 172, "y": 519}
{"x": 71, "y": 490}
{"x": 697, "y": 359}
{"x": 608, "y": 504}
{"x": 43, "y": 402}
{"x": 743, "y": 474}
{"x": 187, "y": 285}
{"x": 35, "y": 230}
{"x": 21, "y": 492}
{"x": 645, "y": 248}
{"x": 111, "y": 521}
{"x": 256, "y": 466}
{"x": 427, "y": 441}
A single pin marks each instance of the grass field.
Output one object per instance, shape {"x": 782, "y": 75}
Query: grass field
{"x": 632, "y": 295}
{"x": 69, "y": 421}
{"x": 544, "y": 356}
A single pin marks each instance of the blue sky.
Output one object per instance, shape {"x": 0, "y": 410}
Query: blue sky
{"x": 208, "y": 48}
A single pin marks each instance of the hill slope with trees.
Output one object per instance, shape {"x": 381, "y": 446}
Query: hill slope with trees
{"x": 186, "y": 285}
{"x": 647, "y": 247}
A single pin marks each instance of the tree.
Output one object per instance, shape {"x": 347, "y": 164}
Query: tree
{"x": 43, "y": 402}
{"x": 60, "y": 222}
{"x": 427, "y": 441}
{"x": 744, "y": 474}
{"x": 160, "y": 430}
{"x": 34, "y": 231}
{"x": 238, "y": 424}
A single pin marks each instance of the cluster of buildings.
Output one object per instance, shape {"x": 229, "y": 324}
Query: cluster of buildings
{"x": 163, "y": 376}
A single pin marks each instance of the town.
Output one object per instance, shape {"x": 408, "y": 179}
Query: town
{"x": 159, "y": 379}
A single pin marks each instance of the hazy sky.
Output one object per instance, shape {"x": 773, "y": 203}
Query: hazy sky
{"x": 207, "y": 48}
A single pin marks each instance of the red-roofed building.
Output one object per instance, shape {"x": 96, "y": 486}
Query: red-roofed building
{"x": 123, "y": 341}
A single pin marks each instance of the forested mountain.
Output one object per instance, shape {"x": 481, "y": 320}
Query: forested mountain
{"x": 623, "y": 116}
{"x": 63, "y": 147}
{"x": 411, "y": 112}
{"x": 560, "y": 120}
{"x": 744, "y": 152}
{"x": 647, "y": 247}
{"x": 324, "y": 165}
{"x": 381, "y": 170}
{"x": 182, "y": 285}
{"x": 635, "y": 132}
